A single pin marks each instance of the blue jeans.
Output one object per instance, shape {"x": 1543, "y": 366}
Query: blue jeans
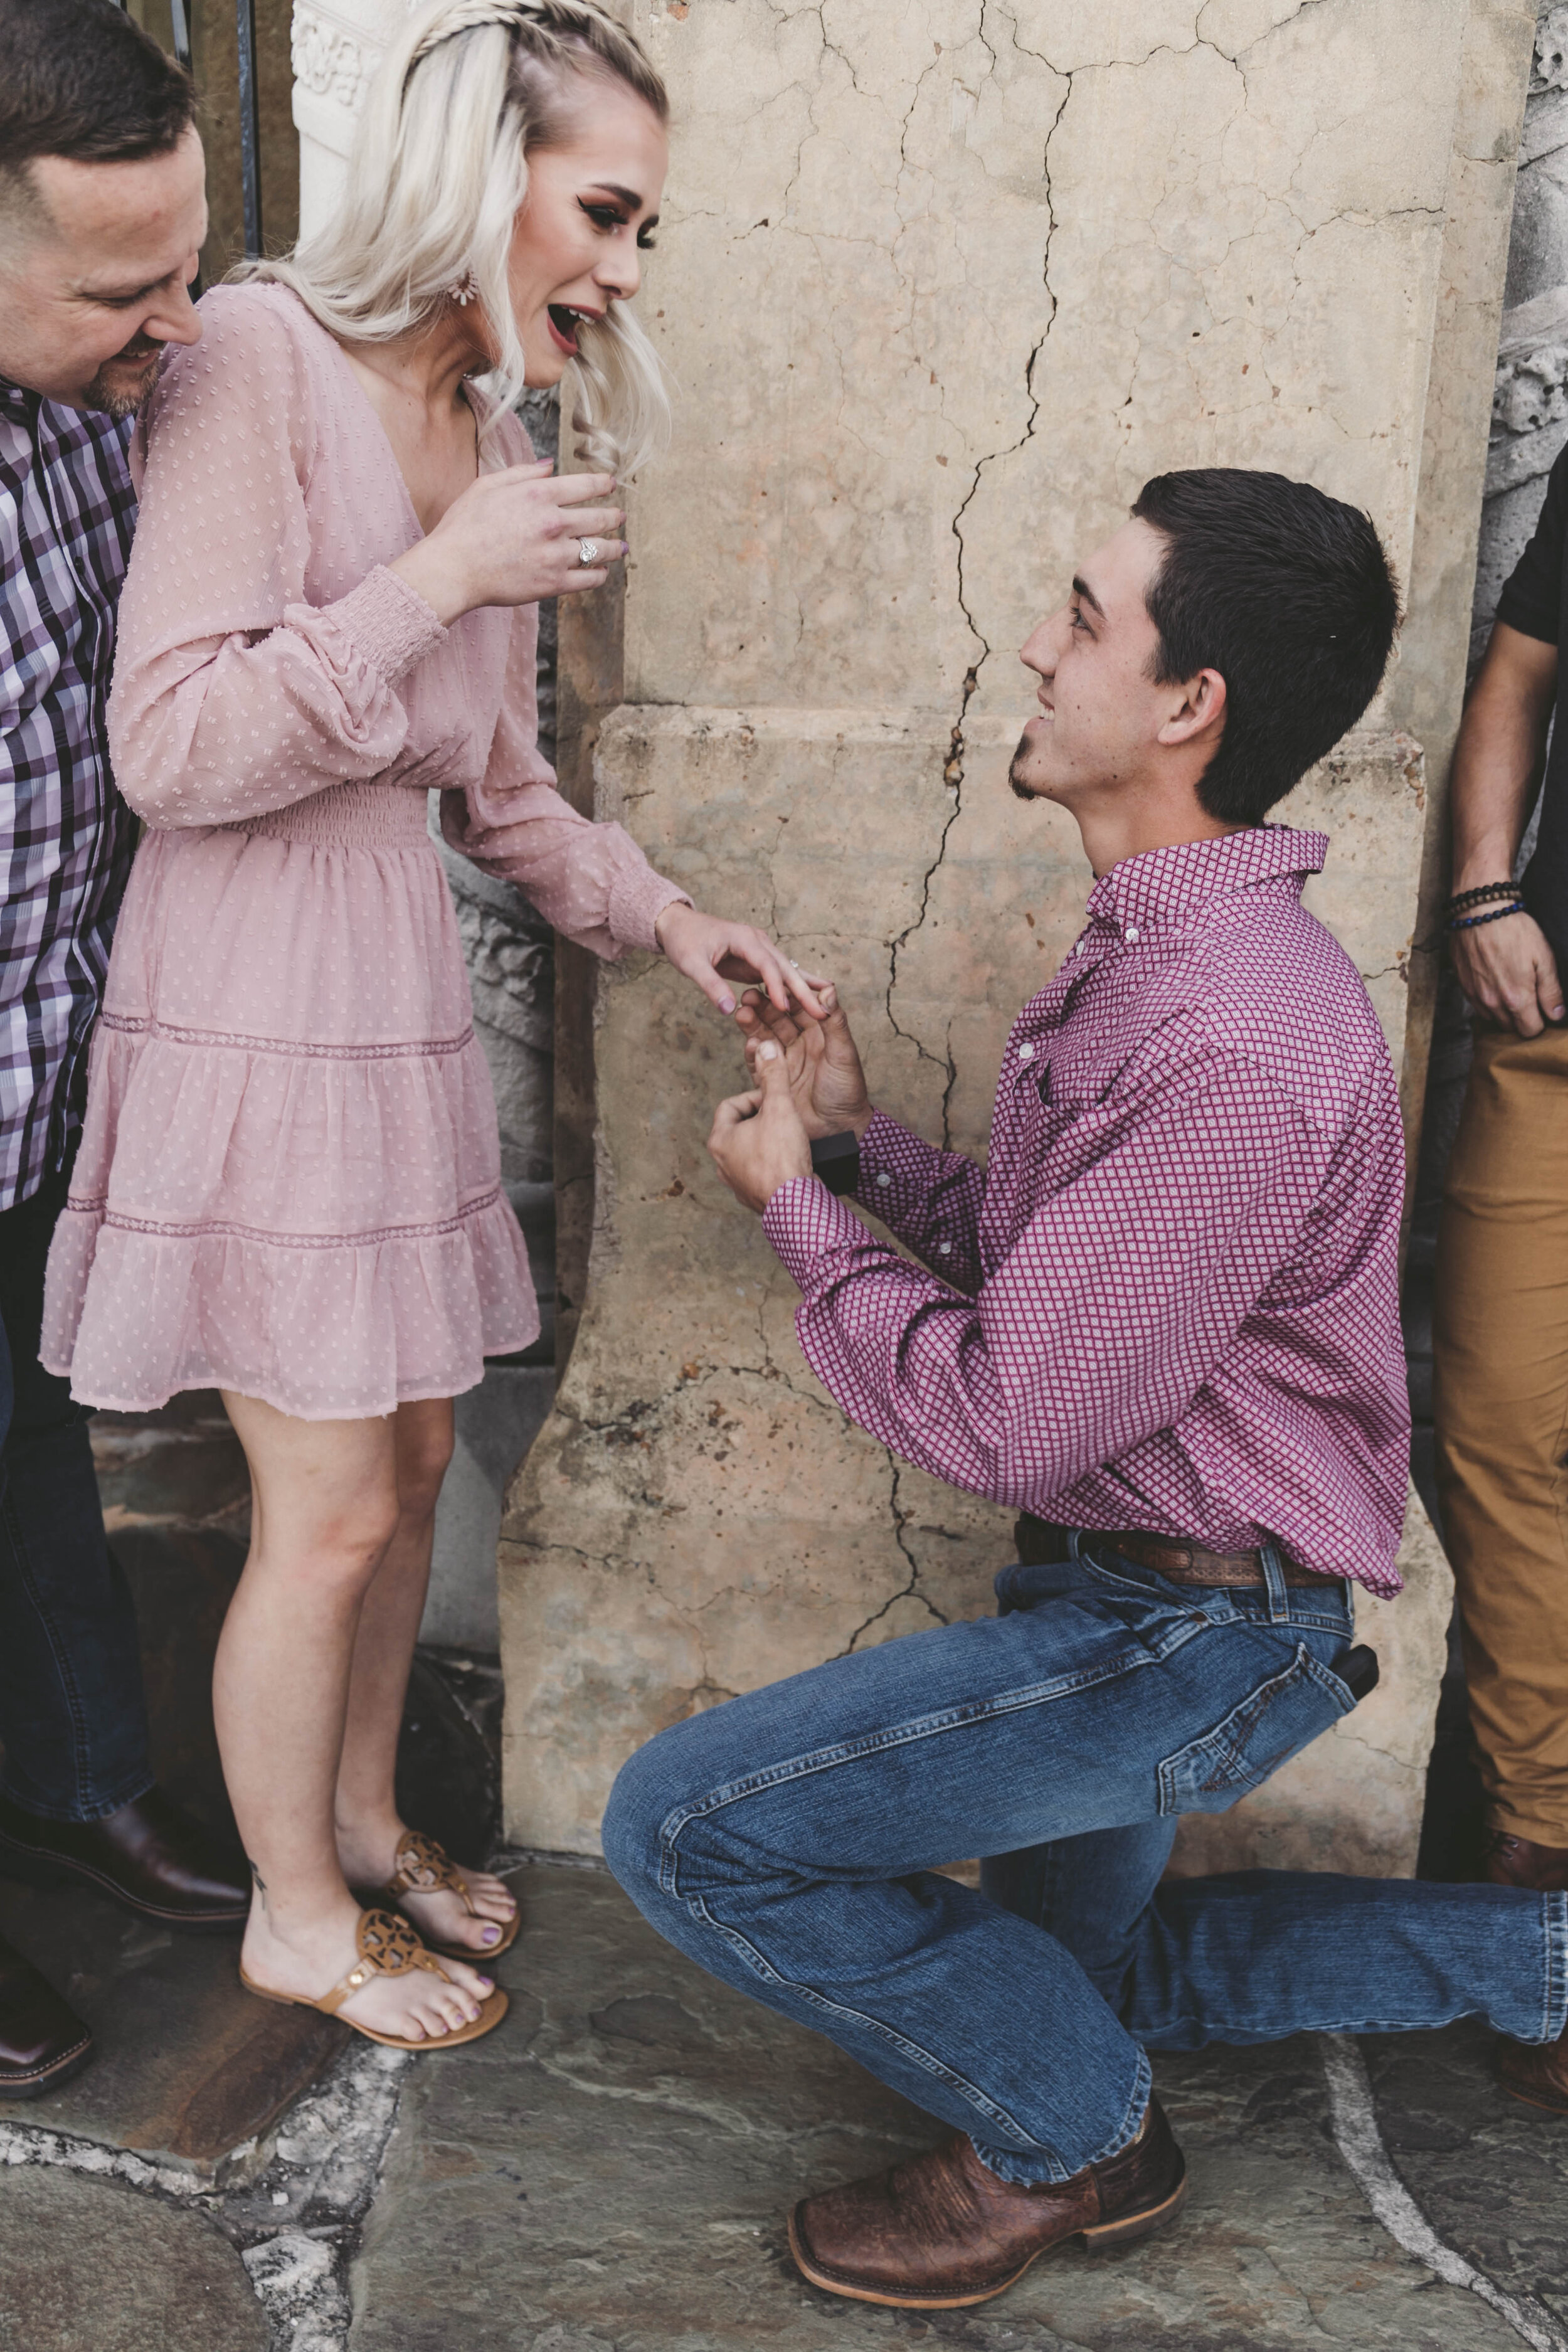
{"x": 785, "y": 1842}
{"x": 72, "y": 1715}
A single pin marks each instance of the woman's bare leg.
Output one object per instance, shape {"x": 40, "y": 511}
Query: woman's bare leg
{"x": 324, "y": 1510}
{"x": 369, "y": 1829}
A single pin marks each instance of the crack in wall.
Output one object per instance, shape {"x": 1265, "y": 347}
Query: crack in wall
{"x": 953, "y": 767}
{"x": 910, "y": 1589}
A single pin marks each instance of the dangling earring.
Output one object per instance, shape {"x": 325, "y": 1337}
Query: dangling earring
{"x": 465, "y": 290}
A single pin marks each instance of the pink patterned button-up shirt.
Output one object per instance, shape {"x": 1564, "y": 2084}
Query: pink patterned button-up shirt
{"x": 1169, "y": 1300}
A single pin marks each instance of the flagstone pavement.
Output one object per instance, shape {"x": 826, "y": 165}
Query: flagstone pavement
{"x": 610, "y": 2171}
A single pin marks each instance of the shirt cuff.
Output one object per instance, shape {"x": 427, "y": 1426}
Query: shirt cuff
{"x": 896, "y": 1169}
{"x": 803, "y": 1220}
{"x": 388, "y": 622}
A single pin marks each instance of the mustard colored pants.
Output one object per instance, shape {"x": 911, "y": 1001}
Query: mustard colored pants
{"x": 1500, "y": 1351}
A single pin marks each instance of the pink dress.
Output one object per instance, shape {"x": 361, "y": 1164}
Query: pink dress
{"x": 289, "y": 1180}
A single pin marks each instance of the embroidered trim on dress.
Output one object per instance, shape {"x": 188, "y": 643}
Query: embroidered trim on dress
{"x": 221, "y": 1228}
{"x": 145, "y": 1025}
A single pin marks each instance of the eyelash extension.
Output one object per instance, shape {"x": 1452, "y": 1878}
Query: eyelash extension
{"x": 604, "y": 217}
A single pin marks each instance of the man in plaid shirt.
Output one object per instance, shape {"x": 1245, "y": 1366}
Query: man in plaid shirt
{"x": 102, "y": 215}
{"x": 1161, "y": 1321}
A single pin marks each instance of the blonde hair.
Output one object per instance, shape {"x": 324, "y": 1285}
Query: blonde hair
{"x": 438, "y": 175}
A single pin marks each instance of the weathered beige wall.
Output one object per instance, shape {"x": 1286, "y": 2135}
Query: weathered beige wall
{"x": 942, "y": 285}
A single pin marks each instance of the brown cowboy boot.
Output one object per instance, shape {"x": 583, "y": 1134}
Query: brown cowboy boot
{"x": 1512, "y": 1861}
{"x": 1536, "y": 2072}
{"x": 941, "y": 2230}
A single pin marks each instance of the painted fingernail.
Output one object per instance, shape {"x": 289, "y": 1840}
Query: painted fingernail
{"x": 767, "y": 1052}
{"x": 726, "y": 1004}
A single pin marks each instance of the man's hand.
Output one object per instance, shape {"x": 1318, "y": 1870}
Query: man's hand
{"x": 758, "y": 1142}
{"x": 1508, "y": 972}
{"x": 820, "y": 1058}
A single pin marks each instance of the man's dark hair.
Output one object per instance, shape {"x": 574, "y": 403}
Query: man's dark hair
{"x": 1288, "y": 594}
{"x": 79, "y": 79}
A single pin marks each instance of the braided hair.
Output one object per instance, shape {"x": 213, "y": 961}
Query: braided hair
{"x": 436, "y": 176}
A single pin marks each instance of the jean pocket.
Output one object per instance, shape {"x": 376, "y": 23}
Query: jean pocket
{"x": 1275, "y": 1722}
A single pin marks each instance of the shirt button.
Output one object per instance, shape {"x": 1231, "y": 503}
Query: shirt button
{"x": 1026, "y": 1052}
{"x": 944, "y": 1249}
{"x": 883, "y": 1179}
{"x": 1132, "y": 937}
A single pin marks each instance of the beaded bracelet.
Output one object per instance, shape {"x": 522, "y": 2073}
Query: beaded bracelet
{"x": 1462, "y": 900}
{"x": 1469, "y": 922}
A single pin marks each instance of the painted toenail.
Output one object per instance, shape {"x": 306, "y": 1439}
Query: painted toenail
{"x": 490, "y": 1934}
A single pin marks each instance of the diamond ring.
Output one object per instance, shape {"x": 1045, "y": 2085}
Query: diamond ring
{"x": 587, "y": 552}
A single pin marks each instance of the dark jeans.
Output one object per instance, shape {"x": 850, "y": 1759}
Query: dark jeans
{"x": 72, "y": 1715}
{"x": 785, "y": 1842}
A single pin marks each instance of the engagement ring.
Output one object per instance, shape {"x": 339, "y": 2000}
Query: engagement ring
{"x": 587, "y": 551}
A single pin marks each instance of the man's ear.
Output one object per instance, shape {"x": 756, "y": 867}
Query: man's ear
{"x": 1200, "y": 711}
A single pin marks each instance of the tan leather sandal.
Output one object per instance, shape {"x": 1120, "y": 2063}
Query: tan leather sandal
{"x": 388, "y": 1947}
{"x": 426, "y": 1868}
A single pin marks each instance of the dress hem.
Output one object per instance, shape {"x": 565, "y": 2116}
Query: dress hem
{"x": 215, "y": 1380}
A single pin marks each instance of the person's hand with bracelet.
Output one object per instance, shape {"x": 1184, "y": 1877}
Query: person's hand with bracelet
{"x": 1503, "y": 957}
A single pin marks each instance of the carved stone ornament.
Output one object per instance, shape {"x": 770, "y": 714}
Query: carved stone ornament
{"x": 1550, "y": 68}
{"x": 330, "y": 62}
{"x": 1532, "y": 392}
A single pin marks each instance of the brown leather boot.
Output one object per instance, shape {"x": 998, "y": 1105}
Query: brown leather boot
{"x": 149, "y": 1855}
{"x": 1512, "y": 1861}
{"x": 1536, "y": 2072}
{"x": 941, "y": 2230}
{"x": 43, "y": 2043}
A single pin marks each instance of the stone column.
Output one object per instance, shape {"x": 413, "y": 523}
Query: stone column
{"x": 940, "y": 285}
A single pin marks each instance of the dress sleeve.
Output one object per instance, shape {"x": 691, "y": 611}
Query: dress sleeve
{"x": 232, "y": 695}
{"x": 590, "y": 881}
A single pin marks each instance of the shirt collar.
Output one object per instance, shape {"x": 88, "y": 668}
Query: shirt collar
{"x": 1169, "y": 884}
{"x": 16, "y": 401}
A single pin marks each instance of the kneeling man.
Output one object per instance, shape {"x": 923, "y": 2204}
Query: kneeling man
{"x": 1162, "y": 1320}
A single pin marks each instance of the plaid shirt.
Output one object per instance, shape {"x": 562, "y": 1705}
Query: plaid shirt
{"x": 1169, "y": 1302}
{"x": 67, "y": 513}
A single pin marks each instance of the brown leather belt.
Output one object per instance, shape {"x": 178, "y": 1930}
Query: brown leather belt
{"x": 1040, "y": 1544}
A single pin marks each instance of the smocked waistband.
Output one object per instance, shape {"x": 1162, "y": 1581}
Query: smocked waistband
{"x": 374, "y": 816}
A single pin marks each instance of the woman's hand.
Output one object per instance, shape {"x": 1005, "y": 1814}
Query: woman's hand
{"x": 514, "y": 538}
{"x": 711, "y": 952}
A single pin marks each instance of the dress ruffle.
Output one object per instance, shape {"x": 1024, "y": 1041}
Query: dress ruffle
{"x": 311, "y": 1215}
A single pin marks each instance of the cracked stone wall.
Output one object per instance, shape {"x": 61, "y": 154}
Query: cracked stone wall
{"x": 942, "y": 282}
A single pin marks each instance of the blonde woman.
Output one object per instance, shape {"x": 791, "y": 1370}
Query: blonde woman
{"x": 290, "y": 1184}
